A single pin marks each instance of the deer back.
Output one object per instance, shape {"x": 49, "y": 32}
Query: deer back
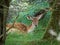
{"x": 20, "y": 26}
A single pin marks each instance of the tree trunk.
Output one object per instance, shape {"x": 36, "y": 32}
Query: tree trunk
{"x": 4, "y": 6}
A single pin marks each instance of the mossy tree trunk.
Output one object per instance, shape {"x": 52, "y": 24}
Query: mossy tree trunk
{"x": 56, "y": 16}
{"x": 4, "y": 6}
{"x": 54, "y": 23}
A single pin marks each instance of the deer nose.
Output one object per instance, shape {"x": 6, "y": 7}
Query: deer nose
{"x": 36, "y": 25}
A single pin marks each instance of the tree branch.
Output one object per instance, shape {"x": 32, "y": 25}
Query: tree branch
{"x": 10, "y": 27}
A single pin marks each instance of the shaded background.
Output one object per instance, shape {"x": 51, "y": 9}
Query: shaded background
{"x": 30, "y": 7}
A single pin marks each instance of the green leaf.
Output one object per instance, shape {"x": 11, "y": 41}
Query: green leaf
{"x": 39, "y": 32}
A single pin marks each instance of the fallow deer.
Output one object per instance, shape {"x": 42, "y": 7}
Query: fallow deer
{"x": 30, "y": 28}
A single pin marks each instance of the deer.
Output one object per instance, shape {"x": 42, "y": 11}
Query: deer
{"x": 24, "y": 28}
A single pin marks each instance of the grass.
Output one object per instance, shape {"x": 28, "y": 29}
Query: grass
{"x": 35, "y": 37}
{"x": 26, "y": 39}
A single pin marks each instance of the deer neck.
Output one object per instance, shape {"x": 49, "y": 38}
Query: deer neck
{"x": 31, "y": 28}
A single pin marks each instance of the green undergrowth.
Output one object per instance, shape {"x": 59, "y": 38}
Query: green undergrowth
{"x": 35, "y": 37}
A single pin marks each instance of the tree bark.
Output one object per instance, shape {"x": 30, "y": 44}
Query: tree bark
{"x": 4, "y": 6}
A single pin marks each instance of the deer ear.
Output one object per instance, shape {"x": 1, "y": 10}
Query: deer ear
{"x": 40, "y": 16}
{"x": 29, "y": 17}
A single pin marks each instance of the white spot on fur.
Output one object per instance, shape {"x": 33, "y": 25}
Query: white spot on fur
{"x": 58, "y": 37}
{"x": 52, "y": 32}
{"x": 12, "y": 30}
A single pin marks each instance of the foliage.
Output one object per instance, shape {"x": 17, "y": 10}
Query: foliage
{"x": 36, "y": 37}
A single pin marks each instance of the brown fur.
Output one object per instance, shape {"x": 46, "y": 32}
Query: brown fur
{"x": 20, "y": 26}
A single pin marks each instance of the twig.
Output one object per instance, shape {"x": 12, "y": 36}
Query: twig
{"x": 10, "y": 27}
{"x": 13, "y": 23}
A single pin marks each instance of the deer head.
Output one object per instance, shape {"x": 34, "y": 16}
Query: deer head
{"x": 35, "y": 20}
